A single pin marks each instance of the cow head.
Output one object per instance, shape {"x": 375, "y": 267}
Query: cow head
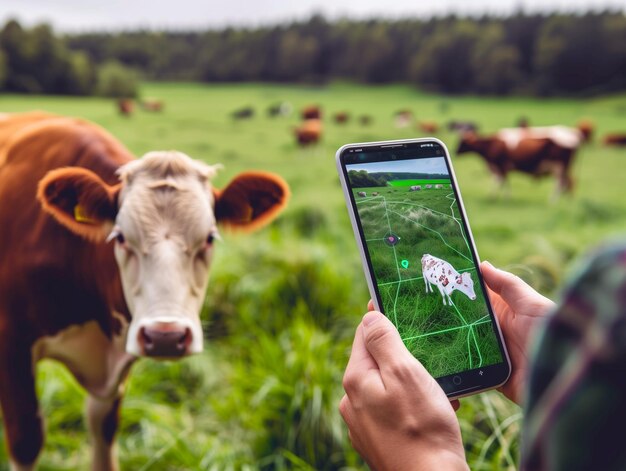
{"x": 466, "y": 144}
{"x": 465, "y": 285}
{"x": 163, "y": 219}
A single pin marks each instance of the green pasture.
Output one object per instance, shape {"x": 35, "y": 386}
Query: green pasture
{"x": 283, "y": 303}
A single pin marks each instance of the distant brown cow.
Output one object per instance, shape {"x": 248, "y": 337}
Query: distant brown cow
{"x": 125, "y": 106}
{"x": 341, "y": 117}
{"x": 536, "y": 157}
{"x": 309, "y": 132}
{"x": 365, "y": 120}
{"x": 311, "y": 112}
{"x": 614, "y": 139}
{"x": 428, "y": 126}
{"x": 153, "y": 105}
{"x": 105, "y": 259}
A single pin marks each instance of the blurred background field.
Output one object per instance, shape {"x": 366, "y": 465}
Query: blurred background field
{"x": 283, "y": 303}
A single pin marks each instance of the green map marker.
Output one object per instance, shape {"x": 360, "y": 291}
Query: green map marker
{"x": 404, "y": 263}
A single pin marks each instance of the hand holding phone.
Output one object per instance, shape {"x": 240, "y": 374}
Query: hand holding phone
{"x": 420, "y": 261}
{"x": 396, "y": 413}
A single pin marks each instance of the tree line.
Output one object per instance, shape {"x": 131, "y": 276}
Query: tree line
{"x": 363, "y": 178}
{"x": 533, "y": 54}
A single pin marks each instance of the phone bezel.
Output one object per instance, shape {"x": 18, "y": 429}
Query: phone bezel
{"x": 469, "y": 381}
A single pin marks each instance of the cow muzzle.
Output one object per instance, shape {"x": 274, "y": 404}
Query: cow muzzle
{"x": 166, "y": 339}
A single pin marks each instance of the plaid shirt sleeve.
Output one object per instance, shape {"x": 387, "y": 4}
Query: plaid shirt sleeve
{"x": 576, "y": 396}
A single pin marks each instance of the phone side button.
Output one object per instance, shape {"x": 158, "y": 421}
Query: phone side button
{"x": 457, "y": 380}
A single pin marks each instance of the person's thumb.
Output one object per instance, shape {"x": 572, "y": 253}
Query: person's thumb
{"x": 382, "y": 339}
{"x": 501, "y": 282}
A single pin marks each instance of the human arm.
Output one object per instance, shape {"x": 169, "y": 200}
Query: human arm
{"x": 397, "y": 414}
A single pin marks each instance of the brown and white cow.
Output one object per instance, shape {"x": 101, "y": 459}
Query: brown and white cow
{"x": 309, "y": 132}
{"x": 444, "y": 276}
{"x": 537, "y": 154}
{"x": 104, "y": 259}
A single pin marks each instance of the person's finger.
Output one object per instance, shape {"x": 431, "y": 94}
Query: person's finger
{"x": 344, "y": 409}
{"x": 455, "y": 404}
{"x": 360, "y": 359}
{"x": 383, "y": 342}
{"x": 370, "y": 306}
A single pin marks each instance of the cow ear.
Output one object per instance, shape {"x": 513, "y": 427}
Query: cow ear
{"x": 79, "y": 200}
{"x": 251, "y": 200}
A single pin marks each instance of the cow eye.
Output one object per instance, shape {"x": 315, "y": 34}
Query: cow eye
{"x": 213, "y": 235}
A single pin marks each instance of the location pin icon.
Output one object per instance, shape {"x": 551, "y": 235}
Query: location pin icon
{"x": 405, "y": 264}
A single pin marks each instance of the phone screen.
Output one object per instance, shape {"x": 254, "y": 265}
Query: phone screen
{"x": 422, "y": 261}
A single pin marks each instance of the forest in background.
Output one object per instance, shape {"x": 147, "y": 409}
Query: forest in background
{"x": 522, "y": 54}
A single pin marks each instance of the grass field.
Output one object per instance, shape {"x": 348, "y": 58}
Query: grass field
{"x": 283, "y": 303}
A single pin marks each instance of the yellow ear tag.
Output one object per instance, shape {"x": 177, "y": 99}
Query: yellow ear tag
{"x": 80, "y": 216}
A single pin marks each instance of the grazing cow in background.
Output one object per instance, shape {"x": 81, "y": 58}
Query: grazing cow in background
{"x": 152, "y": 105}
{"x": 246, "y": 112}
{"x": 403, "y": 118}
{"x": 279, "y": 109}
{"x": 415, "y": 188}
{"x": 125, "y": 106}
{"x": 535, "y": 156}
{"x": 342, "y": 117}
{"x": 438, "y": 187}
{"x": 440, "y": 273}
{"x": 614, "y": 139}
{"x": 428, "y": 187}
{"x": 429, "y": 127}
{"x": 105, "y": 259}
{"x": 308, "y": 132}
{"x": 462, "y": 126}
{"x": 311, "y": 112}
{"x": 362, "y": 194}
{"x": 365, "y": 120}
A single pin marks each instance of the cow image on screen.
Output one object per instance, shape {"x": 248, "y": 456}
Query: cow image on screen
{"x": 105, "y": 259}
{"x": 443, "y": 275}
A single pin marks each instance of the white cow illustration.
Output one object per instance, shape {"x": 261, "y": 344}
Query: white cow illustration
{"x": 441, "y": 273}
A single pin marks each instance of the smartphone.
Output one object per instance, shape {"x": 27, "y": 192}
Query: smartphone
{"x": 420, "y": 261}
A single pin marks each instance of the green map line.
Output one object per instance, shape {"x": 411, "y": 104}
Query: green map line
{"x": 395, "y": 255}
{"x": 460, "y": 270}
{"x": 458, "y": 220}
{"x": 471, "y": 334}
{"x": 432, "y": 230}
{"x": 447, "y": 330}
{"x": 477, "y": 348}
{"x": 423, "y": 207}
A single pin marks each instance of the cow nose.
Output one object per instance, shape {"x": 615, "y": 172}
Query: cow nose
{"x": 165, "y": 340}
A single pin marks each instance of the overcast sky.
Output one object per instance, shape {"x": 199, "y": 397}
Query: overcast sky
{"x": 86, "y": 15}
